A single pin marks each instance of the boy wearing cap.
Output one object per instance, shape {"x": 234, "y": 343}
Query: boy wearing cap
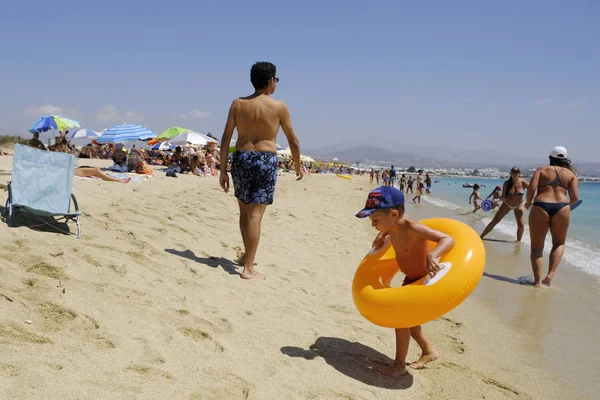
{"x": 385, "y": 208}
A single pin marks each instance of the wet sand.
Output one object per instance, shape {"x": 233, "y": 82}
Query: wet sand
{"x": 149, "y": 304}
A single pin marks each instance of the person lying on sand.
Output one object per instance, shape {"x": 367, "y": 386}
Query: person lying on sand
{"x": 88, "y": 172}
{"x": 385, "y": 208}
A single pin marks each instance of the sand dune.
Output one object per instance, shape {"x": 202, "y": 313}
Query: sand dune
{"x": 148, "y": 304}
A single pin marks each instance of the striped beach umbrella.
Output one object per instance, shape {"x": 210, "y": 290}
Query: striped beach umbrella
{"x": 126, "y": 133}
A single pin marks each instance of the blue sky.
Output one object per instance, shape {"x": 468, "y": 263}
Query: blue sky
{"x": 516, "y": 76}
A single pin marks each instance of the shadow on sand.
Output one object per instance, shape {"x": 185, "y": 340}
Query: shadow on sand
{"x": 352, "y": 359}
{"x": 522, "y": 280}
{"x": 213, "y": 262}
{"x": 500, "y": 240}
{"x": 36, "y": 222}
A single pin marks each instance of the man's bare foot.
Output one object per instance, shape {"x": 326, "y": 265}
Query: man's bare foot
{"x": 546, "y": 281}
{"x": 241, "y": 258}
{"x": 424, "y": 359}
{"x": 393, "y": 370}
{"x": 126, "y": 180}
{"x": 252, "y": 275}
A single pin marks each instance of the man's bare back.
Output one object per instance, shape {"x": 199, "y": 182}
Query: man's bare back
{"x": 258, "y": 118}
{"x": 254, "y": 166}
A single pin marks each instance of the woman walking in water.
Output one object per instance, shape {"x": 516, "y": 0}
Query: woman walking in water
{"x": 512, "y": 200}
{"x": 551, "y": 211}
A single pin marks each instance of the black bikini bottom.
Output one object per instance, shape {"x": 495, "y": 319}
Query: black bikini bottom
{"x": 550, "y": 208}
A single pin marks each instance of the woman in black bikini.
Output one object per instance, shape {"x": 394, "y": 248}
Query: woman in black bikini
{"x": 550, "y": 211}
{"x": 512, "y": 199}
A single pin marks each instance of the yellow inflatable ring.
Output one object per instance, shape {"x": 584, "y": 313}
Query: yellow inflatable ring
{"x": 344, "y": 176}
{"x": 425, "y": 299}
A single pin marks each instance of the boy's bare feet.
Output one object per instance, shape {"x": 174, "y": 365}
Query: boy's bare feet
{"x": 393, "y": 370}
{"x": 424, "y": 359}
{"x": 252, "y": 275}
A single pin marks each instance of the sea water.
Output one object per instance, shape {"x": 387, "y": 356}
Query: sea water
{"x": 583, "y": 242}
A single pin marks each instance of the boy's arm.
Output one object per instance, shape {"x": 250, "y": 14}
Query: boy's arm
{"x": 444, "y": 244}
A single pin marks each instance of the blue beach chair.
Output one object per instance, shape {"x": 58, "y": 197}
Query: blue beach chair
{"x": 41, "y": 186}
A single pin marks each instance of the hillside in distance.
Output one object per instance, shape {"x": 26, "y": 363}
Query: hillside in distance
{"x": 386, "y": 152}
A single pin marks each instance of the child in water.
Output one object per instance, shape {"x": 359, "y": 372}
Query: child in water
{"x": 476, "y": 198}
{"x": 497, "y": 196}
{"x": 385, "y": 208}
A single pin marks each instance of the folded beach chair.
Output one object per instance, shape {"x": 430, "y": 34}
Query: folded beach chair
{"x": 41, "y": 185}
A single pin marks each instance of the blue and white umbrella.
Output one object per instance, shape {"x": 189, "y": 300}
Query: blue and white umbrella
{"x": 163, "y": 146}
{"x": 84, "y": 134}
{"x": 83, "y": 137}
{"x": 126, "y": 133}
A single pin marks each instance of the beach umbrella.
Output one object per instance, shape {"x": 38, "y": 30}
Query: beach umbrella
{"x": 126, "y": 133}
{"x": 83, "y": 137}
{"x": 284, "y": 153}
{"x": 306, "y": 158}
{"x": 56, "y": 122}
{"x": 172, "y": 132}
{"x": 163, "y": 146}
{"x": 194, "y": 138}
{"x": 84, "y": 134}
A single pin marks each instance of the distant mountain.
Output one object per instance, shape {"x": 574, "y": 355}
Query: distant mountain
{"x": 387, "y": 152}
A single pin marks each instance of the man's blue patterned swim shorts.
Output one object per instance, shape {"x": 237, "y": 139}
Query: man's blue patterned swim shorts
{"x": 254, "y": 176}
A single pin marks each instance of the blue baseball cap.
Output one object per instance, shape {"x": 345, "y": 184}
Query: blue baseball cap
{"x": 380, "y": 198}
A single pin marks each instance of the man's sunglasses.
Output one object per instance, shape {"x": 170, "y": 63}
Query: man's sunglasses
{"x": 276, "y": 79}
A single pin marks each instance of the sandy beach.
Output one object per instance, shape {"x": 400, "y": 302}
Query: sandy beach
{"x": 148, "y": 304}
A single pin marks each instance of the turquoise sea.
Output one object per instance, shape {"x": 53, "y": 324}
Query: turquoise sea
{"x": 583, "y": 243}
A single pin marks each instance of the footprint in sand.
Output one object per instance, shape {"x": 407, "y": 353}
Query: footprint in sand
{"x": 220, "y": 325}
{"x": 201, "y": 336}
{"x": 226, "y": 386}
{"x": 457, "y": 346}
{"x": 503, "y": 386}
{"x": 453, "y": 323}
{"x": 56, "y": 317}
{"x": 9, "y": 370}
{"x": 45, "y": 269}
{"x": 148, "y": 372}
{"x": 9, "y": 334}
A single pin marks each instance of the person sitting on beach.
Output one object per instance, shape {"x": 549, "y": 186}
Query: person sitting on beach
{"x": 196, "y": 166}
{"x": 257, "y": 118}
{"x": 476, "y": 198}
{"x": 385, "y": 208}
{"x": 551, "y": 211}
{"x": 36, "y": 143}
{"x": 512, "y": 199}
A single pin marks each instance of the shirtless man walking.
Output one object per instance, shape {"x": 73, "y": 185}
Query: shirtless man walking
{"x": 254, "y": 165}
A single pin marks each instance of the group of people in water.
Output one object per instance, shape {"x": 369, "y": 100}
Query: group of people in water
{"x": 405, "y": 184}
